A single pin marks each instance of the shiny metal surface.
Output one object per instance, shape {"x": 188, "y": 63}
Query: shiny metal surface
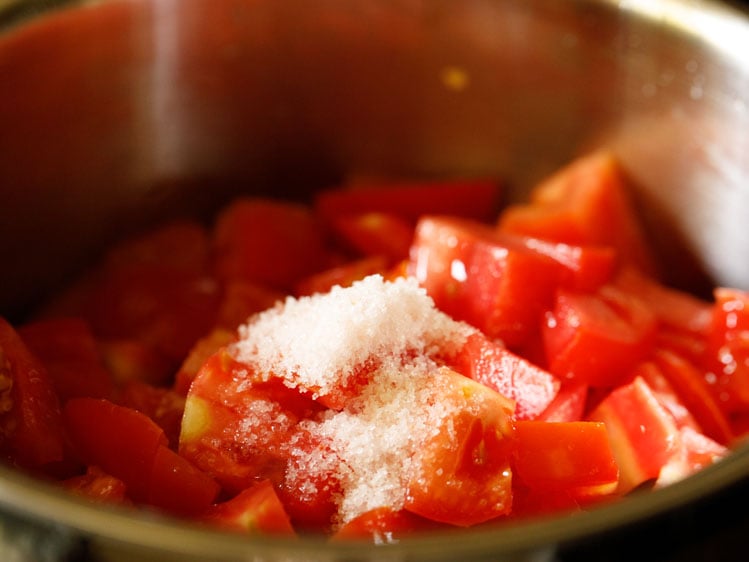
{"x": 120, "y": 113}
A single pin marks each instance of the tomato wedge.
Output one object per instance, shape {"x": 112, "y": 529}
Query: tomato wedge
{"x": 468, "y": 459}
{"x": 585, "y": 203}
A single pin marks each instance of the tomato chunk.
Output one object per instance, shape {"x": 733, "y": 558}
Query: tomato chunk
{"x": 531, "y": 388}
{"x": 597, "y": 338}
{"x": 575, "y": 457}
{"x": 477, "y": 199}
{"x": 586, "y": 202}
{"x": 30, "y": 434}
{"x": 256, "y": 509}
{"x": 462, "y": 475}
{"x": 120, "y": 440}
{"x": 268, "y": 242}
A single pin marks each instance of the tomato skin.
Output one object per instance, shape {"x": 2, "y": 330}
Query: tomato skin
{"x": 30, "y": 428}
{"x": 468, "y": 458}
{"x": 241, "y": 299}
{"x": 120, "y": 440}
{"x": 571, "y": 457}
{"x": 597, "y": 338}
{"x": 256, "y": 509}
{"x": 383, "y": 526}
{"x": 477, "y": 199}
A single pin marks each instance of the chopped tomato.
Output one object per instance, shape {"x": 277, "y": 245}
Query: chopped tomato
{"x": 572, "y": 457}
{"x": 130, "y": 359}
{"x": 69, "y": 351}
{"x": 199, "y": 354}
{"x": 165, "y": 307}
{"x": 585, "y": 203}
{"x": 241, "y": 299}
{"x": 177, "y": 486}
{"x": 97, "y": 485}
{"x": 180, "y": 244}
{"x": 643, "y": 435}
{"x": 597, "y": 338}
{"x": 163, "y": 405}
{"x": 674, "y": 309}
{"x": 695, "y": 452}
{"x": 476, "y": 199}
{"x": 689, "y": 383}
{"x": 568, "y": 405}
{"x": 342, "y": 275}
{"x": 496, "y": 284}
{"x": 375, "y": 234}
{"x": 236, "y": 426}
{"x": 727, "y": 352}
{"x": 256, "y": 509}
{"x": 268, "y": 242}
{"x": 120, "y": 440}
{"x": 531, "y": 388}
{"x": 30, "y": 433}
{"x": 384, "y": 525}
{"x": 462, "y": 475}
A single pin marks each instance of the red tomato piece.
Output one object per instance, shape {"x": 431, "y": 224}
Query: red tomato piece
{"x": 97, "y": 485}
{"x": 343, "y": 275}
{"x": 650, "y": 372}
{"x": 178, "y": 487}
{"x": 236, "y": 427}
{"x": 165, "y": 307}
{"x": 129, "y": 359}
{"x": 462, "y": 475}
{"x": 256, "y": 509}
{"x": 585, "y": 203}
{"x": 568, "y": 405}
{"x": 597, "y": 338}
{"x": 199, "y": 354}
{"x": 727, "y": 353}
{"x": 70, "y": 353}
{"x": 242, "y": 299}
{"x": 268, "y": 242}
{"x": 476, "y": 199}
{"x": 375, "y": 234}
{"x": 181, "y": 244}
{"x": 675, "y": 309}
{"x": 384, "y": 526}
{"x": 574, "y": 457}
{"x": 531, "y": 388}
{"x": 689, "y": 383}
{"x": 496, "y": 284}
{"x": 30, "y": 428}
{"x": 695, "y": 452}
{"x": 120, "y": 440}
{"x": 643, "y": 435}
{"x": 163, "y": 405}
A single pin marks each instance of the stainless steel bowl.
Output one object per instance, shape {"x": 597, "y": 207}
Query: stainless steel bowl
{"x": 117, "y": 114}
